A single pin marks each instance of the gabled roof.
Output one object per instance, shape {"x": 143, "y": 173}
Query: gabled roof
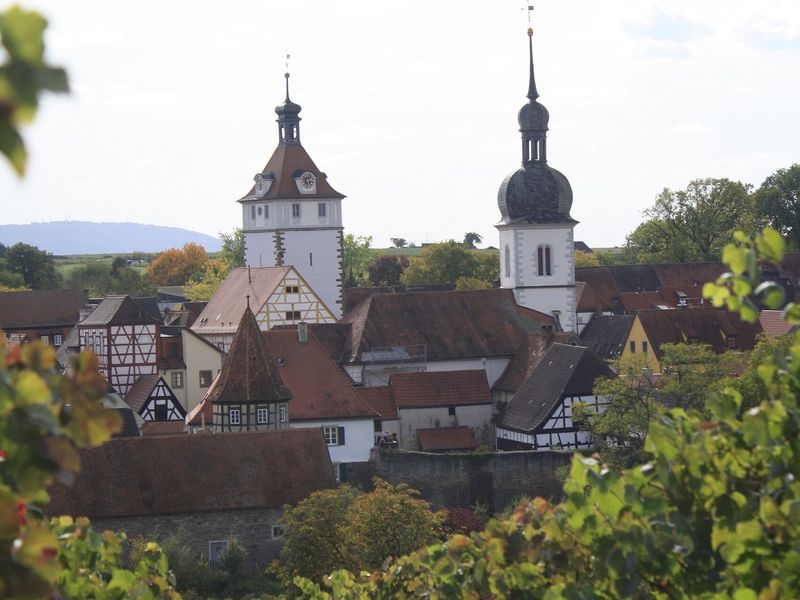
{"x": 528, "y": 356}
{"x": 249, "y": 373}
{"x": 563, "y": 371}
{"x": 440, "y": 388}
{"x": 450, "y": 325}
{"x": 163, "y": 475}
{"x": 140, "y": 391}
{"x": 710, "y": 326}
{"x": 320, "y": 389}
{"x": 446, "y": 439}
{"x": 40, "y": 308}
{"x": 605, "y": 335}
{"x": 774, "y": 323}
{"x": 287, "y": 162}
{"x": 227, "y": 305}
{"x": 381, "y": 400}
{"x": 118, "y": 310}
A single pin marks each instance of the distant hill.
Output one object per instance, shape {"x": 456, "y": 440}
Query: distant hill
{"x": 84, "y": 237}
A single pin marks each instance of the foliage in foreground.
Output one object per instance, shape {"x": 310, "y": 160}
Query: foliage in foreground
{"x": 45, "y": 418}
{"x": 714, "y": 514}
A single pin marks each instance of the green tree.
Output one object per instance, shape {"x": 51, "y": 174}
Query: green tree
{"x": 586, "y": 259}
{"x": 709, "y": 516}
{"x": 387, "y": 269}
{"x": 24, "y": 75}
{"x": 232, "y": 253}
{"x": 778, "y": 201}
{"x": 750, "y": 384}
{"x": 356, "y": 257}
{"x": 471, "y": 238}
{"x": 399, "y": 242}
{"x": 449, "y": 262}
{"x": 201, "y": 288}
{"x": 36, "y": 267}
{"x": 692, "y": 224}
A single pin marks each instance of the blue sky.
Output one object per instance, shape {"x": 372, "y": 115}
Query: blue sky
{"x": 410, "y": 108}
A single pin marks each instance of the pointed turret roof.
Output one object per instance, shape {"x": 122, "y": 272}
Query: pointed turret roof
{"x": 249, "y": 374}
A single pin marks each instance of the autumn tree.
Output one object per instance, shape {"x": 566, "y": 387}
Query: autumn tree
{"x": 387, "y": 269}
{"x": 176, "y": 267}
{"x": 778, "y": 201}
{"x": 692, "y": 224}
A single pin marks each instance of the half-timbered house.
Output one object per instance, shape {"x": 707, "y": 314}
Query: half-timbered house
{"x": 153, "y": 400}
{"x": 248, "y": 394}
{"x": 277, "y": 295}
{"x": 539, "y": 415}
{"x": 125, "y": 339}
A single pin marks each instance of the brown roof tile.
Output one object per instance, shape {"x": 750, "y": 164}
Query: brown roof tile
{"x": 163, "y": 428}
{"x": 446, "y": 439}
{"x": 320, "y": 389}
{"x": 40, "y": 308}
{"x": 196, "y": 473}
{"x": 440, "y": 388}
{"x": 528, "y": 356}
{"x": 381, "y": 400}
{"x": 774, "y": 324}
{"x": 140, "y": 391}
{"x": 119, "y": 310}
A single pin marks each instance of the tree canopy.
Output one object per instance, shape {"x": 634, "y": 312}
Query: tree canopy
{"x": 35, "y": 267}
{"x": 450, "y": 261}
{"x": 471, "y": 238}
{"x": 778, "y": 200}
{"x": 387, "y": 269}
{"x": 356, "y": 257}
{"x": 176, "y": 267}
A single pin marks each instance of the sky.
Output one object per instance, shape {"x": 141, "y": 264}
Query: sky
{"x": 408, "y": 107}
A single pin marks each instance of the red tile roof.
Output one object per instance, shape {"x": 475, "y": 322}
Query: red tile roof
{"x": 163, "y": 428}
{"x": 162, "y": 475}
{"x": 320, "y": 389}
{"x": 440, "y": 388}
{"x": 446, "y": 439}
{"x": 774, "y": 324}
{"x": 381, "y": 400}
{"x": 140, "y": 391}
{"x": 40, "y": 308}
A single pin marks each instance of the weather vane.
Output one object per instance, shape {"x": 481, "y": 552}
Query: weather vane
{"x": 288, "y": 56}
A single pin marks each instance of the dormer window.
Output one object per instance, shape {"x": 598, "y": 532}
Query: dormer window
{"x": 732, "y": 342}
{"x": 262, "y": 184}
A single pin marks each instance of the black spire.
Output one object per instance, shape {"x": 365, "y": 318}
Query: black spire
{"x": 533, "y": 94}
{"x": 288, "y": 119}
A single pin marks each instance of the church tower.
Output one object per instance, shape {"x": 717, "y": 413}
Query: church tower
{"x": 536, "y": 229}
{"x": 292, "y": 215}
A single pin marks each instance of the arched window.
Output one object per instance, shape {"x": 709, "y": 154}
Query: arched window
{"x": 508, "y": 261}
{"x": 543, "y": 260}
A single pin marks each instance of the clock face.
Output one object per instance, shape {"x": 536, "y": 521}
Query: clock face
{"x": 307, "y": 180}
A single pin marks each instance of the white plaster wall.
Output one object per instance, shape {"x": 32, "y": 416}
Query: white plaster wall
{"x": 358, "y": 437}
{"x": 279, "y": 215}
{"x": 477, "y": 417}
{"x": 315, "y": 255}
{"x": 198, "y": 356}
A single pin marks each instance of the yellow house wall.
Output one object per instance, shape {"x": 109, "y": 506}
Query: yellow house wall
{"x": 637, "y": 335}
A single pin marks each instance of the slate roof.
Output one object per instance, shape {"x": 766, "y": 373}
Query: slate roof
{"x": 446, "y": 439}
{"x": 118, "y": 310}
{"x": 381, "y": 400}
{"x": 40, "y": 308}
{"x": 605, "y": 335}
{"x": 451, "y": 325}
{"x": 227, "y": 305}
{"x": 287, "y": 160}
{"x": 249, "y": 373}
{"x": 709, "y": 326}
{"x": 140, "y": 391}
{"x": 563, "y": 371}
{"x": 528, "y": 356}
{"x": 319, "y": 388}
{"x": 176, "y": 474}
{"x": 440, "y": 388}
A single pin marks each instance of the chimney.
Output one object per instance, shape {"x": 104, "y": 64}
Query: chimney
{"x": 302, "y": 332}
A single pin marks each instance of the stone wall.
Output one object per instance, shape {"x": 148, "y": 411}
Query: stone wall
{"x": 492, "y": 479}
{"x": 253, "y": 528}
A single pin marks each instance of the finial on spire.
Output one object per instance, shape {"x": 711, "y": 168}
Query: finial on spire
{"x": 533, "y": 94}
{"x": 286, "y": 74}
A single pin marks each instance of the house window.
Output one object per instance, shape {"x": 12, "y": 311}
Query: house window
{"x": 334, "y": 436}
{"x": 296, "y": 210}
{"x": 451, "y": 410}
{"x": 508, "y": 261}
{"x": 160, "y": 411}
{"x": 235, "y": 416}
{"x": 45, "y": 338}
{"x": 292, "y": 289}
{"x": 282, "y": 413}
{"x": 322, "y": 209}
{"x": 177, "y": 380}
{"x": 293, "y": 315}
{"x": 253, "y": 213}
{"x": 633, "y": 346}
{"x": 262, "y": 416}
{"x": 216, "y": 548}
{"x": 277, "y": 532}
{"x": 644, "y": 347}
{"x": 56, "y": 339}
{"x": 205, "y": 378}
{"x": 172, "y": 350}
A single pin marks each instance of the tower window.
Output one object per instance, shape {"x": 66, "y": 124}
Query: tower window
{"x": 508, "y": 261}
{"x": 253, "y": 213}
{"x": 310, "y": 259}
{"x": 266, "y": 211}
{"x": 543, "y": 260}
{"x": 322, "y": 209}
{"x": 296, "y": 210}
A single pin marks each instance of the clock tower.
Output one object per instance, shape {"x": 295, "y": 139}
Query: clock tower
{"x": 292, "y": 215}
{"x": 536, "y": 229}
